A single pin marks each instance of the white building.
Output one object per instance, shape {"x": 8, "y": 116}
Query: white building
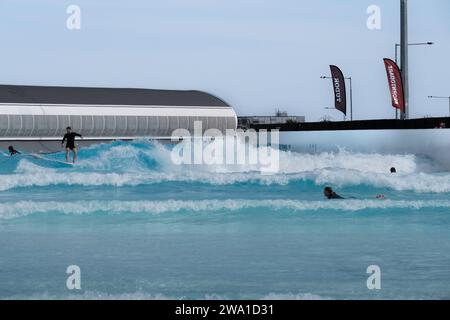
{"x": 34, "y": 118}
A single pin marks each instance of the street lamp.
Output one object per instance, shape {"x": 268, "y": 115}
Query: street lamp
{"x": 351, "y": 93}
{"x": 436, "y": 97}
{"x": 398, "y": 45}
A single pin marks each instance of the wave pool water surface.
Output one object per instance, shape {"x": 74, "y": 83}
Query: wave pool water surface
{"x": 141, "y": 227}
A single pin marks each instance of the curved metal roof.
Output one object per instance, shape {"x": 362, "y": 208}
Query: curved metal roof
{"x": 106, "y": 96}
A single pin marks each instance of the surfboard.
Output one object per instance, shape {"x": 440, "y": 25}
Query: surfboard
{"x": 36, "y": 156}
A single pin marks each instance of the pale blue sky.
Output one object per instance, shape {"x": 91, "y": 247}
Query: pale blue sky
{"x": 257, "y": 55}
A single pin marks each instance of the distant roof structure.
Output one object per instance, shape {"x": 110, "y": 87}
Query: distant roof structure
{"x": 106, "y": 96}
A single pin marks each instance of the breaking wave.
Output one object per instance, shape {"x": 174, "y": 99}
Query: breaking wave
{"x": 139, "y": 295}
{"x": 142, "y": 163}
{"x": 11, "y": 210}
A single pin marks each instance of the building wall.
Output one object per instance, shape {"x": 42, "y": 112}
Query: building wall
{"x": 50, "y": 121}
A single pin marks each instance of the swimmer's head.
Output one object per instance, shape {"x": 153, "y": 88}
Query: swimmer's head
{"x": 393, "y": 170}
{"x": 10, "y": 148}
{"x": 327, "y": 192}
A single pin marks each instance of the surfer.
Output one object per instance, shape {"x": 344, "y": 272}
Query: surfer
{"x": 70, "y": 145}
{"x": 330, "y": 194}
{"x": 12, "y": 151}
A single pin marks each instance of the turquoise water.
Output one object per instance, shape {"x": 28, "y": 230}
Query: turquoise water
{"x": 140, "y": 227}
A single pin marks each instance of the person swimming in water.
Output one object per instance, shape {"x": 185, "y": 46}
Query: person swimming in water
{"x": 70, "y": 145}
{"x": 393, "y": 170}
{"x": 12, "y": 151}
{"x": 330, "y": 194}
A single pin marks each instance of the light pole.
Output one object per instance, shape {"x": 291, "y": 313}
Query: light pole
{"x": 398, "y": 45}
{"x": 404, "y": 55}
{"x": 436, "y": 97}
{"x": 351, "y": 94}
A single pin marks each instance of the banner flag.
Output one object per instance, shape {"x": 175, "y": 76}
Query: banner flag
{"x": 340, "y": 96}
{"x": 395, "y": 84}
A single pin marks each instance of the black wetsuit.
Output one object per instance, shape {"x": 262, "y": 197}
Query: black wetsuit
{"x": 13, "y": 152}
{"x": 70, "y": 137}
{"x": 334, "y": 195}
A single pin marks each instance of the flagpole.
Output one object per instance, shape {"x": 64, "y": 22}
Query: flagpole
{"x": 351, "y": 99}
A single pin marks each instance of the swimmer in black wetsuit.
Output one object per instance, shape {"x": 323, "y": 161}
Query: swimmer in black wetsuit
{"x": 70, "y": 145}
{"x": 330, "y": 194}
{"x": 12, "y": 151}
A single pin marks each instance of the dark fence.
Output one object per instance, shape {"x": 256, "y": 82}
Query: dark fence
{"x": 383, "y": 124}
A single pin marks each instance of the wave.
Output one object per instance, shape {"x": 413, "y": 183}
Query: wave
{"x": 122, "y": 164}
{"x": 140, "y": 295}
{"x": 417, "y": 182}
{"x": 291, "y": 296}
{"x": 30, "y": 175}
{"x": 11, "y": 210}
{"x": 140, "y": 155}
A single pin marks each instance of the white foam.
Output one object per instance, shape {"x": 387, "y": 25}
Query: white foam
{"x": 133, "y": 164}
{"x": 290, "y": 162}
{"x": 291, "y": 296}
{"x": 30, "y": 175}
{"x": 24, "y": 208}
{"x": 94, "y": 295}
{"x": 140, "y": 295}
{"x": 417, "y": 182}
{"x": 27, "y": 166}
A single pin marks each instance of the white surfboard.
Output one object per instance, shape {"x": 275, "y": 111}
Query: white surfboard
{"x": 36, "y": 156}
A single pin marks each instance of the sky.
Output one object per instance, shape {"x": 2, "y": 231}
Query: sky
{"x": 258, "y": 55}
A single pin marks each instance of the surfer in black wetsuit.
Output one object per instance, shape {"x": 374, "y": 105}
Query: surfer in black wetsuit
{"x": 330, "y": 194}
{"x": 12, "y": 151}
{"x": 70, "y": 145}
